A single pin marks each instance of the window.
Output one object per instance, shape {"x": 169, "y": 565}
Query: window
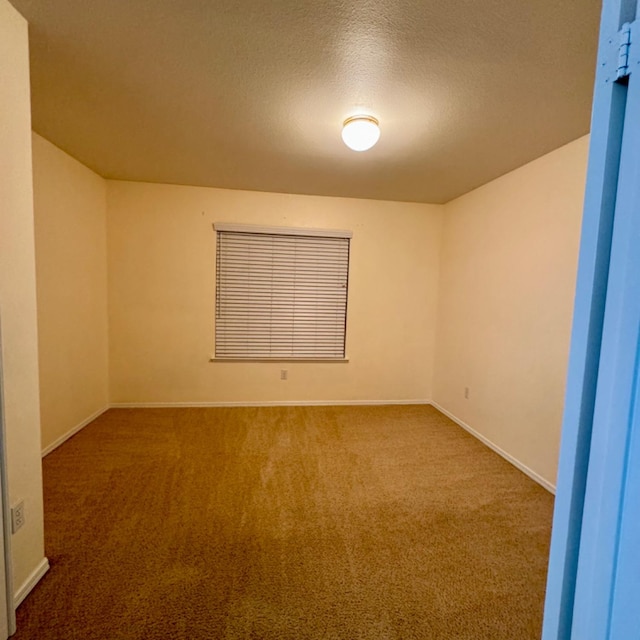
{"x": 281, "y": 293}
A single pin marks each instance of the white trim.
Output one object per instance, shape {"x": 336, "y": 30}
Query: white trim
{"x": 72, "y": 432}
{"x": 501, "y": 452}
{"x": 282, "y": 231}
{"x": 264, "y": 403}
{"x": 30, "y": 582}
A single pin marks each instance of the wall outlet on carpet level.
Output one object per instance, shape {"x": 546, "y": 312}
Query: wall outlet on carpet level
{"x": 284, "y": 374}
{"x": 17, "y": 516}
{"x": 466, "y": 393}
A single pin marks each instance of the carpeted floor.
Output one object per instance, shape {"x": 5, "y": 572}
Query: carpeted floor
{"x": 354, "y": 523}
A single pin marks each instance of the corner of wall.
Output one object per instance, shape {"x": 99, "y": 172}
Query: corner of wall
{"x": 70, "y": 204}
{"x": 507, "y": 282}
{"x": 18, "y": 295}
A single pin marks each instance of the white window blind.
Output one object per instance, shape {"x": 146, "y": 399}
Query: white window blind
{"x": 281, "y": 294}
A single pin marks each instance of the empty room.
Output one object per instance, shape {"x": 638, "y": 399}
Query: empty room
{"x": 287, "y": 299}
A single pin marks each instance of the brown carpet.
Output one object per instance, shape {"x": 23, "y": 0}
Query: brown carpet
{"x": 358, "y": 523}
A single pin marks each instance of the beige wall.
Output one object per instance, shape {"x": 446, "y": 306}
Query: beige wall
{"x": 495, "y": 269}
{"x": 162, "y": 284}
{"x": 18, "y": 295}
{"x": 71, "y": 267}
{"x": 509, "y": 259}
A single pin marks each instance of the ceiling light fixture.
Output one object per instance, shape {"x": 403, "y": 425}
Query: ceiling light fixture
{"x": 360, "y": 132}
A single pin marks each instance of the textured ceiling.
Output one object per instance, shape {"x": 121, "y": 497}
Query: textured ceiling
{"x": 251, "y": 94}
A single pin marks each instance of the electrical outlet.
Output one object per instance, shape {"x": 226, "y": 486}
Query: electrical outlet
{"x": 17, "y": 516}
{"x": 284, "y": 374}
{"x": 466, "y": 393}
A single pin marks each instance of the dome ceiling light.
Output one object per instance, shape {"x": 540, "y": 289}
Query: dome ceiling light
{"x": 360, "y": 132}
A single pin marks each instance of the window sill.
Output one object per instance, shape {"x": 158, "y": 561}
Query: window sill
{"x": 250, "y": 360}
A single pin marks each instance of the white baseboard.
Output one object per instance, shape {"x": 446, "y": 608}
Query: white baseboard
{"x": 30, "y": 582}
{"x": 63, "y": 438}
{"x": 265, "y": 403}
{"x": 501, "y": 452}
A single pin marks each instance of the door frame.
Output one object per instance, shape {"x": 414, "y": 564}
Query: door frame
{"x": 600, "y": 422}
{"x": 5, "y": 509}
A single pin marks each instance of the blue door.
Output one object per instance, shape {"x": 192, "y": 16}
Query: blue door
{"x": 593, "y": 585}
